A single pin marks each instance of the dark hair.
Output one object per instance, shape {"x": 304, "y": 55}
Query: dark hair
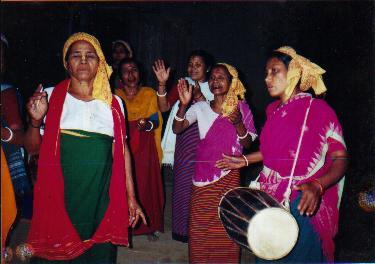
{"x": 225, "y": 70}
{"x": 118, "y": 43}
{"x": 128, "y": 61}
{"x": 207, "y": 58}
{"x": 284, "y": 58}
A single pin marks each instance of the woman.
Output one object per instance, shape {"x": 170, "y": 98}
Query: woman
{"x": 12, "y": 129}
{"x": 120, "y": 50}
{"x": 225, "y": 126}
{"x": 180, "y": 152}
{"x": 82, "y": 194}
{"x": 320, "y": 159}
{"x": 145, "y": 124}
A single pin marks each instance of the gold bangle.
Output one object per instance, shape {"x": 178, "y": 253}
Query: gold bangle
{"x": 320, "y": 186}
{"x": 247, "y": 162}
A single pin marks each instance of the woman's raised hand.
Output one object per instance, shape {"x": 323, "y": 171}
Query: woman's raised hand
{"x": 37, "y": 104}
{"x": 185, "y": 91}
{"x": 161, "y": 73}
{"x": 230, "y": 162}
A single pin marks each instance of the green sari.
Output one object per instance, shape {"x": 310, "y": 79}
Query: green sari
{"x": 86, "y": 162}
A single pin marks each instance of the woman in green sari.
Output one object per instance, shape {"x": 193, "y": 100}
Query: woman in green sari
{"x": 84, "y": 199}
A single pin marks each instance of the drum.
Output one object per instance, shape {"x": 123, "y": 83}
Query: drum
{"x": 256, "y": 221}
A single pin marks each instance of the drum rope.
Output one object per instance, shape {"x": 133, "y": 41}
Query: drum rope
{"x": 288, "y": 190}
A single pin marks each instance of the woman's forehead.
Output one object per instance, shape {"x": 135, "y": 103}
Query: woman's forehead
{"x": 274, "y": 61}
{"x": 82, "y": 45}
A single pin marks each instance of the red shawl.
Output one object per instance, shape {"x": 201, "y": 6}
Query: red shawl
{"x": 52, "y": 235}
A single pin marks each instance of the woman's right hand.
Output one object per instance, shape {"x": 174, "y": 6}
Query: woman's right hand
{"x": 230, "y": 162}
{"x": 161, "y": 73}
{"x": 185, "y": 91}
{"x": 37, "y": 104}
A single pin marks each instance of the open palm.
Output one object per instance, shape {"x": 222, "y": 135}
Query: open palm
{"x": 161, "y": 73}
{"x": 185, "y": 91}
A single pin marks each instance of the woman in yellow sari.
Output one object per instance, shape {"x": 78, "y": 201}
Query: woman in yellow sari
{"x": 145, "y": 123}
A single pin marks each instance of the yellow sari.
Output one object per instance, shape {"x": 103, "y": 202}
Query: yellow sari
{"x": 8, "y": 202}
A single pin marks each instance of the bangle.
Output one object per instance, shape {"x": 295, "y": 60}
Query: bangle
{"x": 179, "y": 118}
{"x": 195, "y": 98}
{"x": 247, "y": 162}
{"x": 152, "y": 126}
{"x": 320, "y": 186}
{"x": 244, "y": 136}
{"x": 10, "y": 135}
{"x": 161, "y": 95}
{"x": 237, "y": 122}
{"x": 31, "y": 124}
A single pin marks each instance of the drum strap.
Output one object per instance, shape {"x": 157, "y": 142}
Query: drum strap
{"x": 288, "y": 190}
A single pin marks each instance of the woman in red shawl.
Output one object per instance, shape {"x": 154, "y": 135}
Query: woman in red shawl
{"x": 84, "y": 199}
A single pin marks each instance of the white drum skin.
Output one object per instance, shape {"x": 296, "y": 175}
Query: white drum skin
{"x": 272, "y": 233}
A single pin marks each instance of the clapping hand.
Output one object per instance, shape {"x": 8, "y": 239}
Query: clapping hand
{"x": 235, "y": 117}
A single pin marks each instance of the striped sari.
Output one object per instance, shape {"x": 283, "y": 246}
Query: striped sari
{"x": 208, "y": 240}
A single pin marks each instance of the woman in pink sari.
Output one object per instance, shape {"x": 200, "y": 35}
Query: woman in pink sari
{"x": 321, "y": 157}
{"x": 225, "y": 126}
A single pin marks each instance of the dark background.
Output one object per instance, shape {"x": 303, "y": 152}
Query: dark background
{"x": 338, "y": 36}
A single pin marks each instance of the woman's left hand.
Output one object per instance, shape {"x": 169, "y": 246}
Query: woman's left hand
{"x": 230, "y": 162}
{"x": 142, "y": 124}
{"x": 135, "y": 212}
{"x": 310, "y": 199}
{"x": 235, "y": 117}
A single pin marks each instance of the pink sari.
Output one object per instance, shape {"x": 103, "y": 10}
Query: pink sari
{"x": 278, "y": 144}
{"x": 220, "y": 138}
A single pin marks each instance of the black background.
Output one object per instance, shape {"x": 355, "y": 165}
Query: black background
{"x": 338, "y": 36}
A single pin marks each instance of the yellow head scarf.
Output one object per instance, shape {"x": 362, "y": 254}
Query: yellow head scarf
{"x": 236, "y": 91}
{"x": 101, "y": 87}
{"x": 302, "y": 69}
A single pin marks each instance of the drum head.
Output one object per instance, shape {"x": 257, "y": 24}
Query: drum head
{"x": 272, "y": 233}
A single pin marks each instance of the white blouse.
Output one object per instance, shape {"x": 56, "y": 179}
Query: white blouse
{"x": 92, "y": 116}
{"x": 203, "y": 113}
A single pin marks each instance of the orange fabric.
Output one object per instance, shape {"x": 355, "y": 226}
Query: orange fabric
{"x": 8, "y": 202}
{"x": 143, "y": 105}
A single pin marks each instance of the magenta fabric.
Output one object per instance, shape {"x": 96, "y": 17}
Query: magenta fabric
{"x": 220, "y": 138}
{"x": 278, "y": 145}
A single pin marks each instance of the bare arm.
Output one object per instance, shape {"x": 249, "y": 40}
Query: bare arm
{"x": 135, "y": 211}
{"x": 244, "y": 137}
{"x": 313, "y": 190}
{"x": 233, "y": 162}
{"x": 14, "y": 132}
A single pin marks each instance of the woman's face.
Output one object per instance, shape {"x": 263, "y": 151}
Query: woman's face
{"x": 119, "y": 53}
{"x": 197, "y": 69}
{"x": 130, "y": 74}
{"x": 219, "y": 81}
{"x": 276, "y": 77}
{"x": 82, "y": 61}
